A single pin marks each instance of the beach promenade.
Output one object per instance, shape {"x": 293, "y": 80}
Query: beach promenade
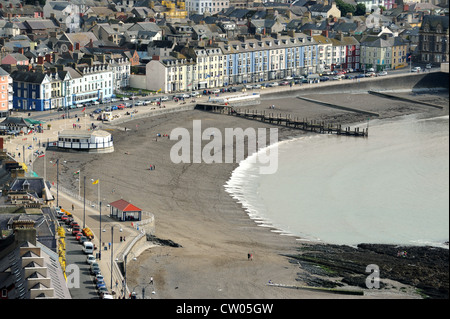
{"x": 215, "y": 237}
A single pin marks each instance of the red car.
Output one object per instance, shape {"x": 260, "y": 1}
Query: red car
{"x": 64, "y": 217}
{"x": 77, "y": 236}
{"x": 121, "y": 106}
{"x": 76, "y": 230}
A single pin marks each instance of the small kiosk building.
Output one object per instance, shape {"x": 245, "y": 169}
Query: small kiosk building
{"x": 125, "y": 211}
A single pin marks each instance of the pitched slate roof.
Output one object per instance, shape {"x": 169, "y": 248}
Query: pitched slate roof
{"x": 29, "y": 77}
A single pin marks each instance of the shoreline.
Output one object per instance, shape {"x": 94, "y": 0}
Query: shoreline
{"x": 192, "y": 209}
{"x": 234, "y": 184}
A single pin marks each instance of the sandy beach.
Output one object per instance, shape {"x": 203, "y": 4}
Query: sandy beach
{"x": 192, "y": 209}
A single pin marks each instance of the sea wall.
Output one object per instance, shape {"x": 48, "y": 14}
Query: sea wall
{"x": 406, "y": 81}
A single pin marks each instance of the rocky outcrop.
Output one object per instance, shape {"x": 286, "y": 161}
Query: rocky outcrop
{"x": 425, "y": 268}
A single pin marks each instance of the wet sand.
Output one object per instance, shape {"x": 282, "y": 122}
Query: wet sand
{"x": 192, "y": 209}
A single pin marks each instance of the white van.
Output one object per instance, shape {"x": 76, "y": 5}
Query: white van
{"x": 88, "y": 248}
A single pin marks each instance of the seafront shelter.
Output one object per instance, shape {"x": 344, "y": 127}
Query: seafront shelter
{"x": 98, "y": 141}
{"x": 125, "y": 211}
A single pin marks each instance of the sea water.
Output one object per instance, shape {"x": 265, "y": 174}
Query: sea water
{"x": 392, "y": 187}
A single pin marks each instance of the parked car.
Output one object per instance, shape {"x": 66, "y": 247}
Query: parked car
{"x": 107, "y": 109}
{"x": 82, "y": 239}
{"x": 114, "y": 107}
{"x": 121, "y": 106}
{"x": 194, "y": 94}
{"x": 370, "y": 70}
{"x": 93, "y": 265}
{"x": 102, "y": 290}
{"x": 64, "y": 217}
{"x": 76, "y": 230}
{"x": 98, "y": 111}
{"x": 382, "y": 73}
{"x": 416, "y": 69}
{"x": 58, "y": 212}
{"x": 77, "y": 236}
{"x": 95, "y": 270}
{"x": 164, "y": 98}
{"x": 90, "y": 259}
{"x": 324, "y": 78}
{"x": 216, "y": 91}
{"x": 99, "y": 278}
{"x": 257, "y": 86}
{"x": 273, "y": 84}
{"x": 429, "y": 66}
{"x": 284, "y": 83}
{"x": 359, "y": 76}
{"x": 106, "y": 295}
{"x": 370, "y": 74}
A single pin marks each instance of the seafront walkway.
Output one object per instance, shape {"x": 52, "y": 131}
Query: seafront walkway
{"x": 28, "y": 145}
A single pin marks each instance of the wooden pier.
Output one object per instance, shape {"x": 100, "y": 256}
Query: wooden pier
{"x": 286, "y": 120}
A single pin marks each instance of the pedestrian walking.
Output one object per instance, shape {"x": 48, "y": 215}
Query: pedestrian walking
{"x": 151, "y": 281}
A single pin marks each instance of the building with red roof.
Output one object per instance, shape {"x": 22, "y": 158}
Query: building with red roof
{"x": 123, "y": 211}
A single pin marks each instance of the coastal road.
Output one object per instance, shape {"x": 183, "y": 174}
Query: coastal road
{"x": 84, "y": 288}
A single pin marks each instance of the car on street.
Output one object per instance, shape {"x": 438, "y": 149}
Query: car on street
{"x": 64, "y": 217}
{"x": 216, "y": 91}
{"x": 95, "y": 270}
{"x": 97, "y": 111}
{"x": 93, "y": 265}
{"x": 429, "y": 66}
{"x": 194, "y": 94}
{"x": 90, "y": 259}
{"x": 324, "y": 78}
{"x": 164, "y": 98}
{"x": 273, "y": 84}
{"x": 382, "y": 73}
{"x": 102, "y": 290}
{"x": 107, "y": 109}
{"x": 416, "y": 69}
{"x": 257, "y": 86}
{"x": 121, "y": 106}
{"x": 370, "y": 74}
{"x": 370, "y": 70}
{"x": 100, "y": 284}
{"x": 76, "y": 230}
{"x": 82, "y": 239}
{"x": 106, "y": 295}
{"x": 77, "y": 236}
{"x": 99, "y": 278}
{"x": 284, "y": 83}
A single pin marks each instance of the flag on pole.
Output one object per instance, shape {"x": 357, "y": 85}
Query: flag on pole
{"x": 77, "y": 172}
{"x": 159, "y": 90}
{"x": 95, "y": 182}
{"x": 41, "y": 155}
{"x": 84, "y": 108}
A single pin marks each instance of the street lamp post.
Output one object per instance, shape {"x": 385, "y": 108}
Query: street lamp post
{"x": 112, "y": 248}
{"x": 57, "y": 182}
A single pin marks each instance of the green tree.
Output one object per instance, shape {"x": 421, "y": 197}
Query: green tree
{"x": 360, "y": 9}
{"x": 345, "y": 7}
